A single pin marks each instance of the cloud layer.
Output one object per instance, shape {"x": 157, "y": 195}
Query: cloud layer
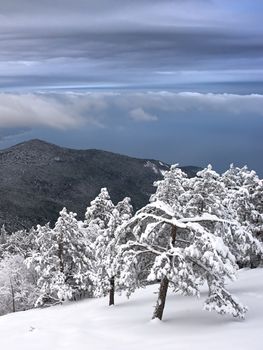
{"x": 189, "y": 128}
{"x": 73, "y": 110}
{"x": 109, "y": 43}
{"x": 30, "y": 110}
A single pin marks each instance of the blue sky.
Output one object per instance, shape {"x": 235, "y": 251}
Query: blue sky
{"x": 113, "y": 75}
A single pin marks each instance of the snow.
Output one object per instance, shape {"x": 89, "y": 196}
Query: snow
{"x": 91, "y": 324}
{"x": 163, "y": 172}
{"x": 152, "y": 166}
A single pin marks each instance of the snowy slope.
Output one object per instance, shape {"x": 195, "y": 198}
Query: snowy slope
{"x": 91, "y": 324}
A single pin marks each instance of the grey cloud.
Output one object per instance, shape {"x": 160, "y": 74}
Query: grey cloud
{"x": 59, "y": 42}
{"x": 9, "y": 133}
{"x": 179, "y": 104}
{"x": 139, "y": 115}
{"x": 168, "y": 46}
{"x": 125, "y": 57}
{"x": 192, "y": 128}
{"x": 28, "y": 6}
{"x": 28, "y": 110}
{"x": 73, "y": 110}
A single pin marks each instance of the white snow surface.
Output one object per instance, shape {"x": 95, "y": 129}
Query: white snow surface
{"x": 152, "y": 166}
{"x": 91, "y": 324}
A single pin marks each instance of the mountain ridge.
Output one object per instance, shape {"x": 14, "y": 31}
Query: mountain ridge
{"x": 37, "y": 179}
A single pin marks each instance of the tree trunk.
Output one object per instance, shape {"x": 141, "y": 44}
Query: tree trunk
{"x": 158, "y": 312}
{"x": 13, "y": 296}
{"x": 112, "y": 291}
{"x": 173, "y": 235}
{"x": 60, "y": 254}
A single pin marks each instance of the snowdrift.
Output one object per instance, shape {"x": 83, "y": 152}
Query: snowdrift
{"x": 91, "y": 324}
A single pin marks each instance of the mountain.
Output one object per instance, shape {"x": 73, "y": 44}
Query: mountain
{"x": 37, "y": 179}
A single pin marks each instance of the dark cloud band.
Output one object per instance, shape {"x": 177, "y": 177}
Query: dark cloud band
{"x": 64, "y": 42}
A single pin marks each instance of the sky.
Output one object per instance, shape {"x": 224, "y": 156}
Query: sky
{"x": 174, "y": 80}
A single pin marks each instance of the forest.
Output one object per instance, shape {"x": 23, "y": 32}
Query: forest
{"x": 193, "y": 231}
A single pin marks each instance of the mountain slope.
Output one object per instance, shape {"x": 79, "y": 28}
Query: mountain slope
{"x": 37, "y": 179}
{"x": 92, "y": 324}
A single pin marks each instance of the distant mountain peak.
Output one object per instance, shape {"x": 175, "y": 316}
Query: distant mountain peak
{"x": 34, "y": 143}
{"x": 37, "y": 179}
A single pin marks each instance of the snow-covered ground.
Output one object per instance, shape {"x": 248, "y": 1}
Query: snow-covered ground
{"x": 91, "y": 324}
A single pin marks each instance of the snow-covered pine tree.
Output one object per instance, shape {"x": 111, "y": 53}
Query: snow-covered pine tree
{"x": 63, "y": 260}
{"x": 205, "y": 194}
{"x": 172, "y": 188}
{"x": 18, "y": 243}
{"x": 187, "y": 243}
{"x": 231, "y": 196}
{"x": 75, "y": 254}
{"x": 3, "y": 241}
{"x": 44, "y": 259}
{"x": 3, "y": 235}
{"x": 18, "y": 289}
{"x": 244, "y": 200}
{"x": 105, "y": 248}
{"x": 98, "y": 215}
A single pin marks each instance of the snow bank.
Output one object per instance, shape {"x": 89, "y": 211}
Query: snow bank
{"x": 91, "y": 324}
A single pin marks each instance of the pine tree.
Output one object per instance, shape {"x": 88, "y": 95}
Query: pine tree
{"x": 18, "y": 243}
{"x": 74, "y": 253}
{"x": 244, "y": 200}
{"x": 188, "y": 234}
{"x": 3, "y": 241}
{"x": 3, "y": 235}
{"x": 205, "y": 194}
{"x": 171, "y": 189}
{"x": 63, "y": 260}
{"x": 106, "y": 249}
{"x": 18, "y": 290}
{"x": 98, "y": 215}
{"x": 44, "y": 259}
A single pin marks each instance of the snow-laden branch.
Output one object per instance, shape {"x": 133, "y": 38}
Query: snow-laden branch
{"x": 173, "y": 221}
{"x": 206, "y": 217}
{"x": 132, "y": 244}
{"x": 167, "y": 209}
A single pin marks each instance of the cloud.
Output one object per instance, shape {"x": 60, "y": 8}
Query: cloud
{"x": 31, "y": 110}
{"x": 180, "y": 105}
{"x": 139, "y": 115}
{"x": 9, "y": 133}
{"x": 226, "y": 104}
{"x": 192, "y": 128}
{"x": 116, "y": 42}
{"x": 102, "y": 109}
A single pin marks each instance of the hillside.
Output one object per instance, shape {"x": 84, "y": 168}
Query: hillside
{"x": 38, "y": 179}
{"x": 91, "y": 324}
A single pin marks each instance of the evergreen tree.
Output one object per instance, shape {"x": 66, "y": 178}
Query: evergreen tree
{"x": 45, "y": 261}
{"x": 106, "y": 249}
{"x": 18, "y": 243}
{"x": 189, "y": 232}
{"x": 74, "y": 253}
{"x": 98, "y": 215}
{"x": 205, "y": 194}
{"x": 171, "y": 189}
{"x": 244, "y": 200}
{"x": 63, "y": 260}
{"x": 3, "y": 235}
{"x": 18, "y": 289}
{"x": 3, "y": 241}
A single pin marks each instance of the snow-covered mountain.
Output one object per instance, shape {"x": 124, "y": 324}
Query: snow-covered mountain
{"x": 91, "y": 324}
{"x": 38, "y": 179}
